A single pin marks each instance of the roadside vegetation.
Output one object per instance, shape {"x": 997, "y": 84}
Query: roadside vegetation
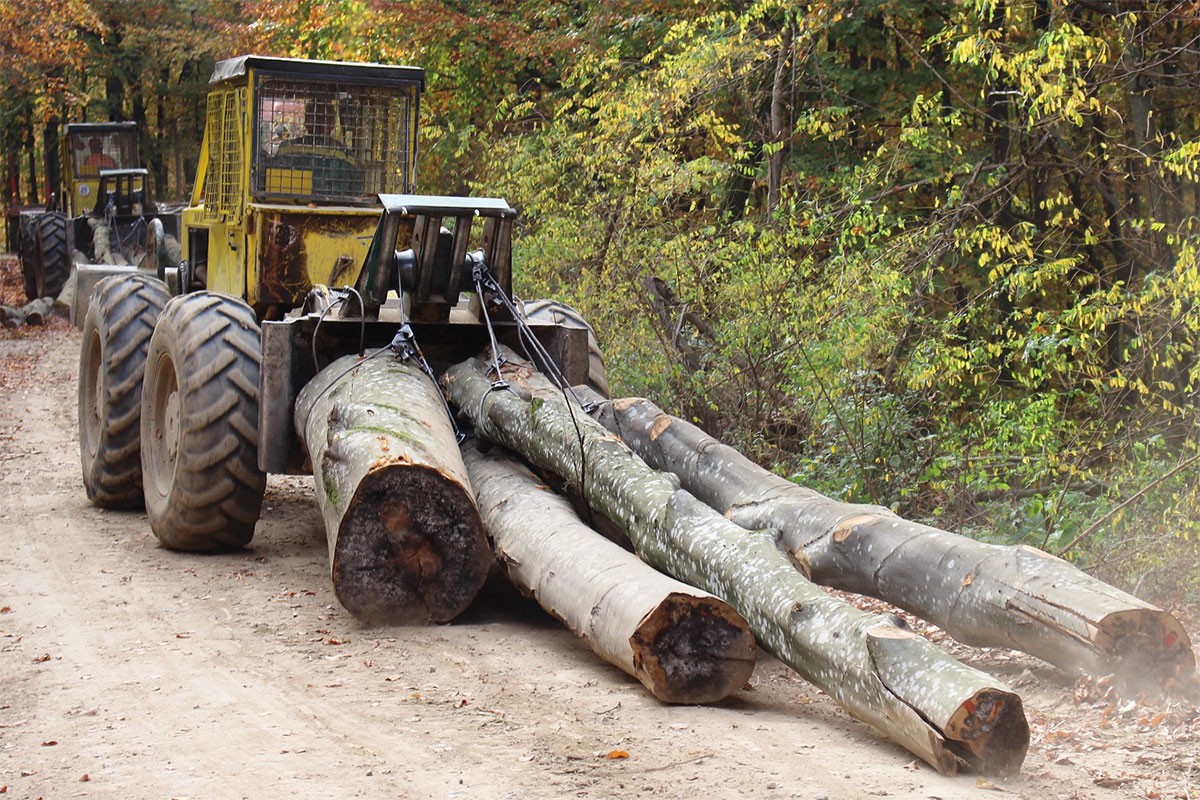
{"x": 940, "y": 256}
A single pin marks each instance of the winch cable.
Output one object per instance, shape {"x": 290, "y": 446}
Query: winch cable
{"x": 404, "y": 345}
{"x": 485, "y": 279}
{"x": 339, "y": 299}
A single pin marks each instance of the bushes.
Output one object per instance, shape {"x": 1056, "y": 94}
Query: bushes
{"x": 969, "y": 302}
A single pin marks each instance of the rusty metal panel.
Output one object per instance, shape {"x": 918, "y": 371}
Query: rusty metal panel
{"x": 298, "y": 248}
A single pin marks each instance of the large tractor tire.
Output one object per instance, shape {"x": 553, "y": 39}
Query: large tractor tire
{"x": 112, "y": 361}
{"x": 27, "y": 252}
{"x": 200, "y": 474}
{"x": 556, "y": 313}
{"x": 53, "y": 259}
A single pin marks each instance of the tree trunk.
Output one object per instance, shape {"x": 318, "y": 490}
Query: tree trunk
{"x": 982, "y": 594}
{"x": 684, "y": 645}
{"x": 406, "y": 543}
{"x": 938, "y": 708}
{"x": 779, "y": 136}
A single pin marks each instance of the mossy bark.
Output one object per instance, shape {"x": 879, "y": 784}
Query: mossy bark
{"x": 406, "y": 542}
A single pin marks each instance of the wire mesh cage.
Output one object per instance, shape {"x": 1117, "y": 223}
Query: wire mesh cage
{"x": 94, "y": 150}
{"x": 332, "y": 141}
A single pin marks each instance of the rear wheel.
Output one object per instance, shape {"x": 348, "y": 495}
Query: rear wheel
{"x": 203, "y": 488}
{"x": 27, "y": 250}
{"x": 112, "y": 361}
{"x": 53, "y": 263}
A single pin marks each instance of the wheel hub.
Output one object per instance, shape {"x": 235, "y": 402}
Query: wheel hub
{"x": 171, "y": 426}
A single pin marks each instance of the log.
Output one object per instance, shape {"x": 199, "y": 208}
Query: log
{"x": 982, "y": 594}
{"x": 11, "y": 317}
{"x": 36, "y": 311}
{"x": 941, "y": 710}
{"x": 406, "y": 542}
{"x": 684, "y": 645}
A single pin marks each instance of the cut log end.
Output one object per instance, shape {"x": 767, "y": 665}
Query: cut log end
{"x": 693, "y": 649}
{"x": 1147, "y": 649}
{"x": 990, "y": 733}
{"x": 411, "y": 549}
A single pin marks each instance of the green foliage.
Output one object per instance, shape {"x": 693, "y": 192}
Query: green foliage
{"x": 972, "y": 297}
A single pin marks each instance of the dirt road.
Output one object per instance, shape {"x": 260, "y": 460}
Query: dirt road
{"x": 130, "y": 671}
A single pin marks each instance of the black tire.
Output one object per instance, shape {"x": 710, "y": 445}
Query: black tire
{"x": 556, "y": 313}
{"x": 112, "y": 361}
{"x": 27, "y": 251}
{"x": 53, "y": 263}
{"x": 200, "y": 475}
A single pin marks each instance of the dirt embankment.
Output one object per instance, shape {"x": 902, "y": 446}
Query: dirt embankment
{"x": 132, "y": 671}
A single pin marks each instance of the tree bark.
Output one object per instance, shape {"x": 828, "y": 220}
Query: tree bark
{"x": 406, "y": 543}
{"x": 982, "y": 594}
{"x": 779, "y": 136}
{"x": 684, "y": 645}
{"x": 936, "y": 707}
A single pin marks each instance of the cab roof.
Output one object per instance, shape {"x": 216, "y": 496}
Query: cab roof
{"x": 353, "y": 70}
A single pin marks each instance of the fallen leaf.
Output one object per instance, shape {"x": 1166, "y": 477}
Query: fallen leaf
{"x": 6, "y": 610}
{"x": 615, "y": 754}
{"x": 42, "y": 659}
{"x": 50, "y": 743}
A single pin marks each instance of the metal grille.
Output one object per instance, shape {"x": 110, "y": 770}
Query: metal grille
{"x": 332, "y": 141}
{"x": 223, "y": 194}
{"x": 93, "y": 152}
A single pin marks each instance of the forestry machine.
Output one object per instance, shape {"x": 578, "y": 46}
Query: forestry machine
{"x": 100, "y": 213}
{"x": 302, "y": 243}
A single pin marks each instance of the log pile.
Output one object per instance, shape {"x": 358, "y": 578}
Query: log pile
{"x": 941, "y": 710}
{"x": 726, "y": 554}
{"x": 981, "y": 594}
{"x": 35, "y": 312}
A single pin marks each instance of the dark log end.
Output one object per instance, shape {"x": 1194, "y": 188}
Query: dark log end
{"x": 411, "y": 548}
{"x": 693, "y": 649}
{"x": 1147, "y": 650}
{"x": 990, "y": 733}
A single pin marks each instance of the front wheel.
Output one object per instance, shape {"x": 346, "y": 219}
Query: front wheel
{"x": 112, "y": 361}
{"x": 203, "y": 488}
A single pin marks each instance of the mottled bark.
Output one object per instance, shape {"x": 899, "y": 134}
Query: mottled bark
{"x": 684, "y": 645}
{"x": 982, "y": 594}
{"x": 406, "y": 543}
{"x": 939, "y": 709}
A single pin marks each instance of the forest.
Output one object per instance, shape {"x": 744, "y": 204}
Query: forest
{"x": 939, "y": 256}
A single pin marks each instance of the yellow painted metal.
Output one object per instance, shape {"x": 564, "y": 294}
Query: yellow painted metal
{"x": 201, "y": 172}
{"x": 269, "y": 243}
{"x": 291, "y": 249}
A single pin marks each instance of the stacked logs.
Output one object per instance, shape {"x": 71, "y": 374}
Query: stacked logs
{"x": 415, "y": 521}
